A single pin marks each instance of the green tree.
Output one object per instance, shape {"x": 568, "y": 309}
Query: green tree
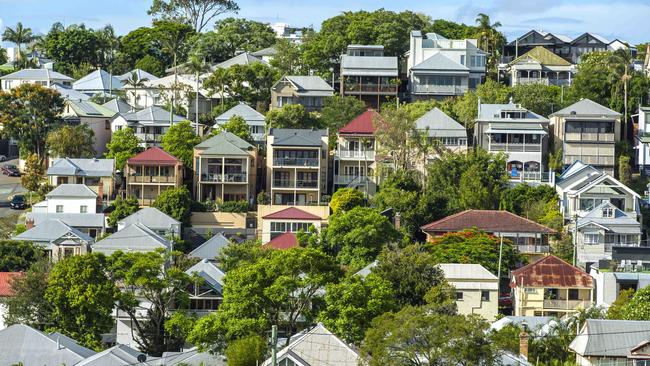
{"x": 124, "y": 145}
{"x": 452, "y": 30}
{"x": 395, "y": 129}
{"x": 235, "y": 254}
{"x": 615, "y": 310}
{"x": 249, "y": 83}
{"x": 345, "y": 199}
{"x": 28, "y": 304}
{"x": 72, "y": 141}
{"x": 279, "y": 288}
{"x": 237, "y": 126}
{"x": 593, "y": 79}
{"x": 351, "y": 305}
{"x": 82, "y": 297}
{"x": 196, "y": 13}
{"x": 33, "y": 174}
{"x": 624, "y": 170}
{"x": 538, "y": 98}
{"x": 18, "y": 256}
{"x": 179, "y": 140}
{"x": 247, "y": 351}
{"x": 490, "y": 40}
{"x": 122, "y": 208}
{"x": 151, "y": 65}
{"x": 177, "y": 203}
{"x": 290, "y": 116}
{"x": 638, "y": 307}
{"x": 337, "y": 111}
{"x": 522, "y": 198}
{"x": 233, "y": 35}
{"x": 27, "y": 113}
{"x": 287, "y": 59}
{"x": 137, "y": 45}
{"x": 621, "y": 63}
{"x": 18, "y": 35}
{"x": 74, "y": 45}
{"x": 472, "y": 246}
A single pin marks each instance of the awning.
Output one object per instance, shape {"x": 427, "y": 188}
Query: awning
{"x": 626, "y": 276}
{"x": 516, "y": 128}
{"x": 625, "y": 229}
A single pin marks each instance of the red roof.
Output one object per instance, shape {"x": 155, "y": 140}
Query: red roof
{"x": 154, "y": 155}
{"x": 292, "y": 213}
{"x": 490, "y": 221}
{"x": 5, "y": 283}
{"x": 362, "y": 124}
{"x": 283, "y": 241}
{"x": 551, "y": 271}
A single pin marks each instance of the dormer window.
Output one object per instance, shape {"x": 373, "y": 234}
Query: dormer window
{"x": 608, "y": 212}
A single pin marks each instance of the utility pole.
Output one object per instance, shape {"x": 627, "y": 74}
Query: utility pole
{"x": 575, "y": 237}
{"x": 499, "y": 268}
{"x": 274, "y": 345}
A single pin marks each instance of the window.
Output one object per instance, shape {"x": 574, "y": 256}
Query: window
{"x": 59, "y": 208}
{"x": 83, "y": 209}
{"x": 608, "y": 212}
{"x": 459, "y": 296}
{"x": 485, "y": 295}
{"x": 591, "y": 238}
{"x": 573, "y": 294}
{"x": 107, "y": 124}
{"x": 462, "y": 59}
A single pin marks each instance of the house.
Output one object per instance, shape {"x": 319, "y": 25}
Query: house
{"x": 287, "y": 240}
{"x": 211, "y": 248}
{"x": 67, "y": 93}
{"x": 587, "y": 131}
{"x": 442, "y": 131}
{"x": 529, "y": 237}
{"x": 354, "y": 157}
{"x": 120, "y": 354}
{"x": 550, "y": 287}
{"x": 43, "y": 77}
{"x": 205, "y": 297}
{"x": 582, "y": 187}
{"x": 6, "y": 281}
{"x": 118, "y": 106}
{"x": 603, "y": 228}
{"x": 540, "y": 66}
{"x": 154, "y": 219}
{"x": 231, "y": 224}
{"x": 265, "y": 54}
{"x": 225, "y": 169}
{"x": 316, "y": 347}
{"x": 592, "y": 42}
{"x": 642, "y": 138}
{"x": 98, "y": 118}
{"x": 73, "y": 204}
{"x": 95, "y": 173}
{"x": 477, "y": 289}
{"x": 254, "y": 120}
{"x": 277, "y": 220}
{"x": 58, "y": 239}
{"x": 611, "y": 342}
{"x": 190, "y": 357}
{"x": 243, "y": 58}
{"x": 558, "y": 44}
{"x": 296, "y": 165}
{"x": 98, "y": 82}
{"x": 22, "y": 344}
{"x": 140, "y": 75}
{"x": 149, "y": 124}
{"x": 309, "y": 91}
{"x": 369, "y": 75}
{"x": 627, "y": 269}
{"x": 438, "y": 67}
{"x": 133, "y": 238}
{"x": 151, "y": 172}
{"x": 519, "y": 133}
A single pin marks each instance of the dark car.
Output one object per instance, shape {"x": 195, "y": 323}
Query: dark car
{"x": 13, "y": 172}
{"x": 7, "y": 169}
{"x": 18, "y": 202}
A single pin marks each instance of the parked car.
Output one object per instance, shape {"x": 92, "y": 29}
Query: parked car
{"x": 5, "y": 169}
{"x": 3, "y": 158}
{"x": 18, "y": 202}
{"x": 13, "y": 172}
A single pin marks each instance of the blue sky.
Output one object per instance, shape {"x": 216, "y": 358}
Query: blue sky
{"x": 627, "y": 20}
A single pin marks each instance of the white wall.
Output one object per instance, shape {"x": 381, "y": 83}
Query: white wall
{"x": 72, "y": 205}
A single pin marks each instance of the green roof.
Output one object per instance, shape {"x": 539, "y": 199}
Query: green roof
{"x": 543, "y": 56}
{"x": 225, "y": 143}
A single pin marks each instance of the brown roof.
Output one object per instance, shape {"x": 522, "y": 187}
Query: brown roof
{"x": 292, "y": 213}
{"x": 490, "y": 221}
{"x": 551, "y": 271}
{"x": 283, "y": 241}
{"x": 5, "y": 283}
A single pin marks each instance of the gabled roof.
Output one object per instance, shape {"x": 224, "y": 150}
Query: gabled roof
{"x": 598, "y": 37}
{"x": 291, "y": 213}
{"x": 586, "y": 107}
{"x": 85, "y": 108}
{"x": 308, "y": 85}
{"x": 365, "y": 271}
{"x": 543, "y": 56}
{"x": 117, "y": 355}
{"x": 610, "y": 338}
{"x": 439, "y": 124}
{"x": 72, "y": 190}
{"x": 36, "y": 74}
{"x": 283, "y": 241}
{"x": 52, "y": 230}
{"x": 91, "y": 167}
{"x": 154, "y": 156}
{"x": 490, "y": 221}
{"x": 467, "y": 271}
{"x": 361, "y": 124}
{"x": 620, "y": 222}
{"x": 211, "y": 248}
{"x": 69, "y": 93}
{"x": 150, "y": 217}
{"x": 5, "y": 283}
{"x": 244, "y": 58}
{"x": 142, "y": 75}
{"x": 268, "y": 51}
{"x": 152, "y": 115}
{"x": 297, "y": 137}
{"x": 24, "y": 344}
{"x": 225, "y": 143}
{"x": 75, "y": 220}
{"x": 599, "y": 179}
{"x": 98, "y": 80}
{"x": 189, "y": 357}
{"x": 212, "y": 275}
{"x": 551, "y": 271}
{"x": 118, "y": 106}
{"x": 133, "y": 238}
{"x": 492, "y": 113}
{"x": 440, "y": 62}
{"x": 242, "y": 110}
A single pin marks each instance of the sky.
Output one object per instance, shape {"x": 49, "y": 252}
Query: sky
{"x": 626, "y": 20}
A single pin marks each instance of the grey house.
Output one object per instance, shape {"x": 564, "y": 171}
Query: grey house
{"x": 58, "y": 239}
{"x": 155, "y": 220}
{"x": 444, "y": 130}
{"x": 369, "y": 75}
{"x": 253, "y": 118}
{"x": 309, "y": 91}
{"x": 133, "y": 238}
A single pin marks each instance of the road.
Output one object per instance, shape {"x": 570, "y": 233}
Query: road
{"x": 9, "y": 186}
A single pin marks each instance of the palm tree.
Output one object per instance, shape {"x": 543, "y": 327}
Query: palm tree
{"x": 197, "y": 66}
{"x": 171, "y": 43}
{"x": 621, "y": 64}
{"x": 488, "y": 36}
{"x": 18, "y": 35}
{"x": 135, "y": 82}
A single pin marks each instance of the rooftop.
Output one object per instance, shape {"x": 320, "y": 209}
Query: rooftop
{"x": 283, "y": 241}
{"x": 5, "y": 283}
{"x": 85, "y": 108}
{"x": 244, "y": 58}
{"x": 439, "y": 124}
{"x": 150, "y": 217}
{"x": 490, "y": 221}
{"x": 154, "y": 156}
{"x": 133, "y": 238}
{"x": 292, "y": 213}
{"x": 362, "y": 124}
{"x": 91, "y": 167}
{"x": 543, "y": 56}
{"x": 152, "y": 115}
{"x": 72, "y": 190}
{"x": 242, "y": 110}
{"x": 211, "y": 248}
{"x": 551, "y": 271}
{"x": 586, "y": 107}
{"x": 36, "y": 74}
{"x": 224, "y": 143}
{"x": 297, "y": 137}
{"x": 610, "y": 338}
{"x": 98, "y": 80}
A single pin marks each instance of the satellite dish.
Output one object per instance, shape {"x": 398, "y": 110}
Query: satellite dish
{"x": 142, "y": 357}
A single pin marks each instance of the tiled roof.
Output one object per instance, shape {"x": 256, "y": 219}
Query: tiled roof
{"x": 551, "y": 271}
{"x": 362, "y": 124}
{"x": 154, "y": 155}
{"x": 490, "y": 221}
{"x": 291, "y": 213}
{"x": 283, "y": 241}
{"x": 5, "y": 283}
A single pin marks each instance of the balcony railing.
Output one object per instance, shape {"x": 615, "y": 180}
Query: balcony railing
{"x": 544, "y": 177}
{"x": 534, "y": 248}
{"x": 543, "y": 81}
{"x": 149, "y": 137}
{"x": 309, "y": 162}
{"x": 370, "y": 88}
{"x": 151, "y": 179}
{"x": 348, "y": 179}
{"x": 590, "y": 159}
{"x": 295, "y": 184}
{"x": 513, "y": 147}
{"x": 356, "y": 154}
{"x": 146, "y": 201}
{"x": 439, "y": 89}
{"x": 224, "y": 178}
{"x": 608, "y": 246}
{"x": 591, "y": 137}
{"x": 566, "y": 304}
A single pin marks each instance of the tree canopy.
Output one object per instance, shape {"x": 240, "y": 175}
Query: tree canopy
{"x": 177, "y": 203}
{"x": 72, "y": 141}
{"x": 179, "y": 140}
{"x": 124, "y": 145}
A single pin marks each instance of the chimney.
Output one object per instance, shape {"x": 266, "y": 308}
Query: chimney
{"x": 523, "y": 342}
{"x": 398, "y": 221}
{"x": 100, "y": 193}
{"x": 29, "y": 223}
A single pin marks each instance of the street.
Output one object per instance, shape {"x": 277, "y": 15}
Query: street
{"x": 9, "y": 186}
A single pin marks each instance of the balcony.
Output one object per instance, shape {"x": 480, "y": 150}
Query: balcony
{"x": 542, "y": 177}
{"x": 512, "y": 147}
{"x": 439, "y": 89}
{"x": 566, "y": 304}
{"x": 591, "y": 137}
{"x": 350, "y": 179}
{"x": 295, "y": 184}
{"x": 224, "y": 178}
{"x": 355, "y": 155}
{"x": 153, "y": 179}
{"x": 543, "y": 81}
{"x": 149, "y": 137}
{"x": 533, "y": 249}
{"x": 608, "y": 246}
{"x": 355, "y": 88}
{"x": 589, "y": 159}
{"x": 297, "y": 162}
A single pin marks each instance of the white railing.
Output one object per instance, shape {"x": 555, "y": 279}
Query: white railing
{"x": 356, "y": 154}
{"x": 225, "y": 178}
{"x": 512, "y": 147}
{"x": 347, "y": 179}
{"x": 310, "y": 162}
{"x": 439, "y": 89}
{"x": 566, "y": 304}
{"x": 589, "y": 159}
{"x": 543, "y": 177}
{"x": 534, "y": 248}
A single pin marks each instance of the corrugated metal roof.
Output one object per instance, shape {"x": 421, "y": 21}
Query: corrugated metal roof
{"x": 211, "y": 248}
{"x": 82, "y": 167}
{"x": 141, "y": 74}
{"x": 551, "y": 271}
{"x": 543, "y": 56}
{"x": 466, "y": 271}
{"x": 225, "y": 143}
{"x": 118, "y": 106}
{"x": 72, "y": 190}
{"x": 610, "y": 338}
{"x": 440, "y": 62}
{"x": 492, "y": 112}
{"x": 96, "y": 81}
{"x": 51, "y": 230}
{"x": 310, "y": 84}
{"x": 80, "y": 220}
{"x": 297, "y": 137}
{"x": 241, "y": 59}
{"x": 243, "y": 110}
{"x": 586, "y": 107}
{"x": 150, "y": 217}
{"x": 133, "y": 238}
{"x": 69, "y": 93}
{"x": 362, "y": 124}
{"x": 154, "y": 156}
{"x": 439, "y": 124}
{"x": 86, "y": 108}
{"x": 292, "y": 213}
{"x": 369, "y": 66}
{"x": 283, "y": 241}
{"x": 152, "y": 115}
{"x": 210, "y": 273}
{"x": 36, "y": 74}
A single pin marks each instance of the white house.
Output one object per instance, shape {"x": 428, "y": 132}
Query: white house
{"x": 149, "y": 124}
{"x": 477, "y": 289}
{"x": 642, "y": 138}
{"x": 43, "y": 77}
{"x": 253, "y": 118}
{"x": 154, "y": 219}
{"x": 98, "y": 82}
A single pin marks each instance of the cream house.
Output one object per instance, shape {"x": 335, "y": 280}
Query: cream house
{"x": 477, "y": 289}
{"x": 309, "y": 91}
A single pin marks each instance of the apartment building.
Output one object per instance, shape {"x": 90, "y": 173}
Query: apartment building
{"x": 369, "y": 75}
{"x": 151, "y": 172}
